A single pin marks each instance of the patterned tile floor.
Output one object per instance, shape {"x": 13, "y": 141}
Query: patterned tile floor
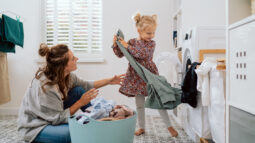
{"x": 155, "y": 131}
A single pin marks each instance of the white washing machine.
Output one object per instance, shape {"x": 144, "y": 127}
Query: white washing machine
{"x": 202, "y": 37}
{"x": 196, "y": 122}
{"x": 169, "y": 66}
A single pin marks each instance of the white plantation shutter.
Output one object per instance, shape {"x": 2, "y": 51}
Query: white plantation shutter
{"x": 77, "y": 23}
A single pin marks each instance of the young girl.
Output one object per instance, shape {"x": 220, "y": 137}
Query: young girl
{"x": 142, "y": 49}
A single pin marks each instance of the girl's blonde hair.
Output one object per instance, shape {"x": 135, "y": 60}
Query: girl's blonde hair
{"x": 144, "y": 21}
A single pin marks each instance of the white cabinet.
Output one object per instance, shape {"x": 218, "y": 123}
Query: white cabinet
{"x": 240, "y": 113}
{"x": 241, "y": 66}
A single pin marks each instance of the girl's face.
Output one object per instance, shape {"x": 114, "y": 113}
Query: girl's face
{"x": 72, "y": 62}
{"x": 147, "y": 33}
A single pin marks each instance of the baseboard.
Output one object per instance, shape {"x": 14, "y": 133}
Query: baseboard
{"x": 9, "y": 111}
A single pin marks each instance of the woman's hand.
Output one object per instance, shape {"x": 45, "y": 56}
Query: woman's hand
{"x": 88, "y": 96}
{"x": 117, "y": 79}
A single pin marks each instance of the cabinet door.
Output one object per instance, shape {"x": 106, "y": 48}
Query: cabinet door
{"x": 242, "y": 126}
{"x": 242, "y": 67}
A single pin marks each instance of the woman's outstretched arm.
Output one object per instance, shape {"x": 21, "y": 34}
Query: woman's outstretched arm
{"x": 117, "y": 79}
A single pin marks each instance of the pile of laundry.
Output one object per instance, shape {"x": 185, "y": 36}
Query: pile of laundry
{"x": 104, "y": 110}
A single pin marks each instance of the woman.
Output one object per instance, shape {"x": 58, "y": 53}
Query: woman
{"x": 54, "y": 95}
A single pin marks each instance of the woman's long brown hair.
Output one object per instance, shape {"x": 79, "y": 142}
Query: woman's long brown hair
{"x": 56, "y": 61}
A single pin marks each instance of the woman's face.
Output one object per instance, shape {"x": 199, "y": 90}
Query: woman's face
{"x": 72, "y": 63}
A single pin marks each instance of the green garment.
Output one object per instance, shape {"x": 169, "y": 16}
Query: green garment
{"x": 160, "y": 93}
{"x": 12, "y": 30}
{"x": 5, "y": 46}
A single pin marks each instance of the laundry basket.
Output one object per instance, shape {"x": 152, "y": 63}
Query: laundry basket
{"x": 118, "y": 131}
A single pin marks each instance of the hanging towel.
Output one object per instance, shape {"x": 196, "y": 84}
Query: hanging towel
{"x": 12, "y": 30}
{"x": 5, "y": 46}
{"x": 5, "y": 95}
{"x": 189, "y": 86}
{"x": 203, "y": 79}
{"x": 160, "y": 93}
{"x": 216, "y": 109}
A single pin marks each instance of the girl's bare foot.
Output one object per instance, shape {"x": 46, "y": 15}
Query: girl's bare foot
{"x": 173, "y": 132}
{"x": 139, "y": 132}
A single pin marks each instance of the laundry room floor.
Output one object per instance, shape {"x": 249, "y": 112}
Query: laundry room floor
{"x": 156, "y": 131}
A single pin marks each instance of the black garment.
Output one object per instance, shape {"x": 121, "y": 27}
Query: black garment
{"x": 189, "y": 86}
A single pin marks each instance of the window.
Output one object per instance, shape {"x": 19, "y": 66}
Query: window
{"x": 76, "y": 23}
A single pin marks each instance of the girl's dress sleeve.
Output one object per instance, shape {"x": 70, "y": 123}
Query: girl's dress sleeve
{"x": 138, "y": 50}
{"x": 117, "y": 51}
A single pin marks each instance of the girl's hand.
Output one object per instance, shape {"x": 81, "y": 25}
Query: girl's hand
{"x": 117, "y": 79}
{"x": 124, "y": 43}
{"x": 88, "y": 96}
{"x": 114, "y": 41}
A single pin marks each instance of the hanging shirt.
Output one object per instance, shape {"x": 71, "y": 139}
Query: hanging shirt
{"x": 189, "y": 86}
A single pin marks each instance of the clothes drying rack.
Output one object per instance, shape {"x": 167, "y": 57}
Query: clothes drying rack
{"x": 221, "y": 61}
{"x": 22, "y": 19}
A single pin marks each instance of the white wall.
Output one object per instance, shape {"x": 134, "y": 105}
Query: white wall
{"x": 203, "y": 13}
{"x": 116, "y": 14}
{"x": 21, "y": 65}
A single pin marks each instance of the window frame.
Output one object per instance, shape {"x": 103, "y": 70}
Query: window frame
{"x": 83, "y": 57}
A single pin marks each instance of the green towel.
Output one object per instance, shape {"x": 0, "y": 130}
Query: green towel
{"x": 12, "y": 30}
{"x": 161, "y": 95}
{"x": 5, "y": 46}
